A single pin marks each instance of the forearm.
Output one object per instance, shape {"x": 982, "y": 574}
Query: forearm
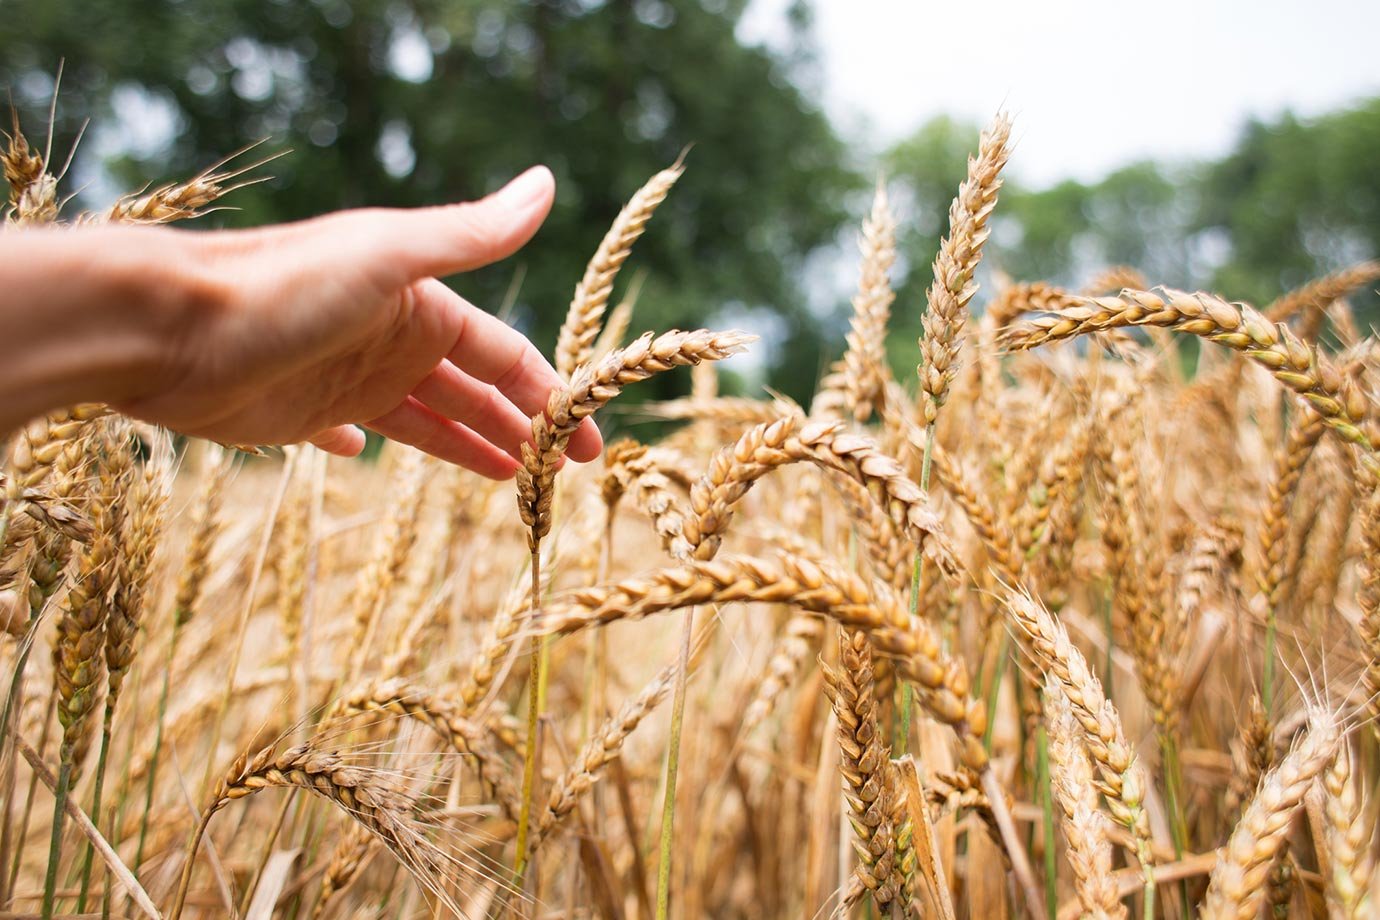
{"x": 88, "y": 314}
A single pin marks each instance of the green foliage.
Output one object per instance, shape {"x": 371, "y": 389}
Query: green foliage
{"x": 1296, "y": 198}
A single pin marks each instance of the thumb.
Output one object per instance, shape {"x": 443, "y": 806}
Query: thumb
{"x": 443, "y": 240}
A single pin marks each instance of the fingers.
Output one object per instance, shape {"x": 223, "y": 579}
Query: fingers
{"x": 343, "y": 441}
{"x": 493, "y": 352}
{"x": 478, "y": 406}
{"x": 413, "y": 423}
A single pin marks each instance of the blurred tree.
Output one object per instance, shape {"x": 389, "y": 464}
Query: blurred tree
{"x": 1294, "y": 199}
{"x": 410, "y": 102}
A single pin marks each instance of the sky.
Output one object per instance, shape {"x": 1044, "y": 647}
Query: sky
{"x": 1092, "y": 85}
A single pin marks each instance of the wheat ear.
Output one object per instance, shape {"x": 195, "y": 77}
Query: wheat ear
{"x": 603, "y": 747}
{"x": 865, "y": 761}
{"x": 1237, "y": 884}
{"x": 1120, "y": 776}
{"x": 807, "y": 585}
{"x": 397, "y": 697}
{"x": 865, "y": 359}
{"x": 1085, "y": 826}
{"x": 77, "y": 651}
{"x": 591, "y": 387}
{"x": 368, "y": 800}
{"x": 953, "y": 286}
{"x": 347, "y": 860}
{"x": 140, "y": 530}
{"x": 1368, "y": 599}
{"x": 825, "y": 444}
{"x": 1347, "y": 836}
{"x": 33, "y": 189}
{"x": 1318, "y": 295}
{"x": 586, "y": 313}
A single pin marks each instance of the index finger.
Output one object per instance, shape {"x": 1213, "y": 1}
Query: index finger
{"x": 490, "y": 350}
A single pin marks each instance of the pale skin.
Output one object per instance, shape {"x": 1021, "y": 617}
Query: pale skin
{"x": 297, "y": 332}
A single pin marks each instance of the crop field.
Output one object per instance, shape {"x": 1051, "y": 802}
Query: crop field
{"x": 1080, "y": 619}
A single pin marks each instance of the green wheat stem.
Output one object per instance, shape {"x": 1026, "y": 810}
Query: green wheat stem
{"x": 901, "y": 735}
{"x": 994, "y": 691}
{"x": 1267, "y": 680}
{"x": 88, "y": 861}
{"x": 64, "y": 784}
{"x": 1107, "y": 671}
{"x": 157, "y": 744}
{"x": 668, "y": 805}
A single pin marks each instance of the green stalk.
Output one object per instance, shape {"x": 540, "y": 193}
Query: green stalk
{"x": 28, "y": 808}
{"x": 89, "y": 860}
{"x": 157, "y": 747}
{"x": 17, "y": 680}
{"x": 13, "y": 700}
{"x": 901, "y": 736}
{"x": 529, "y": 766}
{"x": 1173, "y": 793}
{"x": 901, "y": 730}
{"x": 668, "y": 805}
{"x": 1047, "y": 807}
{"x": 994, "y": 691}
{"x": 1174, "y": 803}
{"x": 59, "y": 817}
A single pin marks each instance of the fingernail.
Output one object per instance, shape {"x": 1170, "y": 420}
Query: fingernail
{"x": 526, "y": 189}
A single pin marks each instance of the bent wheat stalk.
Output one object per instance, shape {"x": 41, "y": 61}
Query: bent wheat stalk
{"x": 383, "y": 811}
{"x": 1297, "y": 365}
{"x": 590, "y": 388}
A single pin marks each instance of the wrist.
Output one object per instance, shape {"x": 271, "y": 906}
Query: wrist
{"x": 95, "y": 314}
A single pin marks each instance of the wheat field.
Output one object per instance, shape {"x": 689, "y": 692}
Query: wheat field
{"x": 1082, "y": 620}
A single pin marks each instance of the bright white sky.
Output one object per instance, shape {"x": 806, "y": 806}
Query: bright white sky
{"x": 1093, "y": 85}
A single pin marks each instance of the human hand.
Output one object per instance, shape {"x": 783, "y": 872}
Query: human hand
{"x": 302, "y": 331}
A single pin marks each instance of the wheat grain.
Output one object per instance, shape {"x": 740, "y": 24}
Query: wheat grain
{"x": 1085, "y": 827}
{"x": 1236, "y": 887}
{"x": 865, "y": 359}
{"x": 946, "y": 312}
{"x": 586, "y": 313}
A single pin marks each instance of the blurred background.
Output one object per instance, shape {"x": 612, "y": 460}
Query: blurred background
{"x": 1223, "y": 145}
